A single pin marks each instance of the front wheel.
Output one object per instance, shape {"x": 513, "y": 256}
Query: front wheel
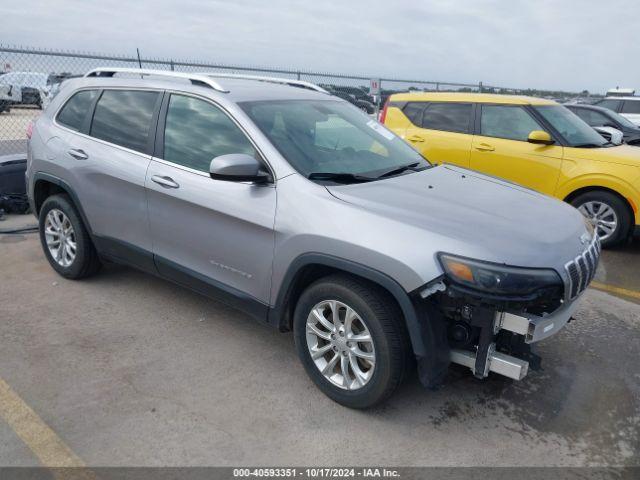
{"x": 350, "y": 338}
{"x": 608, "y": 214}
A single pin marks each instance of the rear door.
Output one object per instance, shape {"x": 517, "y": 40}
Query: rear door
{"x": 500, "y": 148}
{"x": 441, "y": 131}
{"x": 107, "y": 155}
{"x": 214, "y": 236}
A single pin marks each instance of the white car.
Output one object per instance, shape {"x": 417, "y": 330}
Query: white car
{"x": 25, "y": 88}
{"x": 628, "y": 107}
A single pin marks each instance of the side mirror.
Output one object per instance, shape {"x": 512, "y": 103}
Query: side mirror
{"x": 238, "y": 167}
{"x": 540, "y": 137}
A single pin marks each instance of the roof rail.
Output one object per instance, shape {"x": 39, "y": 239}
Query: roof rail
{"x": 206, "y": 78}
{"x": 284, "y": 81}
{"x": 196, "y": 79}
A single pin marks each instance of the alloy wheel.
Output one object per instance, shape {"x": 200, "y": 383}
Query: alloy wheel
{"x": 340, "y": 344}
{"x": 602, "y": 216}
{"x": 60, "y": 237}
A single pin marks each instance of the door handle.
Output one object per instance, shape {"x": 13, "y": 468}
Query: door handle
{"x": 415, "y": 138}
{"x": 485, "y": 147}
{"x": 166, "y": 182}
{"x": 78, "y": 154}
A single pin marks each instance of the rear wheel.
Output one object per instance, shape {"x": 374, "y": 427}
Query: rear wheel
{"x": 350, "y": 339}
{"x": 608, "y": 214}
{"x": 65, "y": 240}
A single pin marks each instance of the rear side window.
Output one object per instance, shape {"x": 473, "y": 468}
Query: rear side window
{"x": 631, "y": 106}
{"x": 124, "y": 117}
{"x": 75, "y": 111}
{"x": 450, "y": 117}
{"x": 610, "y": 104}
{"x": 512, "y": 123}
{"x": 196, "y": 132}
{"x": 413, "y": 111}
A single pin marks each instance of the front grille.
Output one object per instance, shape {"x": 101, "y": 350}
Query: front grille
{"x": 581, "y": 269}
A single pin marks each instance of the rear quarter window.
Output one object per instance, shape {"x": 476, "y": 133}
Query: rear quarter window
{"x": 75, "y": 111}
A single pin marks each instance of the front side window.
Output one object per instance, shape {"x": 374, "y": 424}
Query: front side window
{"x": 330, "y": 137}
{"x": 631, "y": 106}
{"x": 575, "y": 131}
{"x": 450, "y": 117}
{"x": 196, "y": 132}
{"x": 124, "y": 117}
{"x": 593, "y": 118}
{"x": 507, "y": 121}
{"x": 75, "y": 111}
{"x": 610, "y": 104}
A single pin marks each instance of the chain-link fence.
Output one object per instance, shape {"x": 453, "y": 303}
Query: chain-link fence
{"x": 29, "y": 78}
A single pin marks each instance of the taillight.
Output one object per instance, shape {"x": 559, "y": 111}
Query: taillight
{"x": 383, "y": 115}
{"x": 30, "y": 129}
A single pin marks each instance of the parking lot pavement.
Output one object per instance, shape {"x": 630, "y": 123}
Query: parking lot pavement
{"x": 127, "y": 369}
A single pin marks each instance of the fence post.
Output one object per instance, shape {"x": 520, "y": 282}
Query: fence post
{"x": 172, "y": 67}
{"x": 480, "y": 87}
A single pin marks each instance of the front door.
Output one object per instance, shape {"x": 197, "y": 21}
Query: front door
{"x": 501, "y": 149}
{"x": 212, "y": 235}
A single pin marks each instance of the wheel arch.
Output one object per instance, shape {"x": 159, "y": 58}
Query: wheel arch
{"x": 595, "y": 188}
{"x": 46, "y": 185}
{"x": 308, "y": 268}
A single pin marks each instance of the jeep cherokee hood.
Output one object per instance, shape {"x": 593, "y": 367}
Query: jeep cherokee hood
{"x": 504, "y": 222}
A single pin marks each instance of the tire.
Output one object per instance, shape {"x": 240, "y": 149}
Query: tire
{"x": 378, "y": 313}
{"x": 85, "y": 260}
{"x": 592, "y": 204}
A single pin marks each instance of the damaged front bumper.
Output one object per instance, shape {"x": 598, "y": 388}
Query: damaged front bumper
{"x": 532, "y": 328}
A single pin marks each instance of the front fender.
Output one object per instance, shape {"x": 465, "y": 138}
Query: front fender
{"x": 604, "y": 181}
{"x": 425, "y": 324}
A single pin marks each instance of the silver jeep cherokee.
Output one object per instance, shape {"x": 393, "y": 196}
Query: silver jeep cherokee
{"x": 290, "y": 204}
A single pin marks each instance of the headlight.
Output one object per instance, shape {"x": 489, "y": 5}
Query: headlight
{"x": 497, "y": 279}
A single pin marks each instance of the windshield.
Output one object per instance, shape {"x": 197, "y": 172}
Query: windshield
{"x": 331, "y": 137}
{"x": 575, "y": 131}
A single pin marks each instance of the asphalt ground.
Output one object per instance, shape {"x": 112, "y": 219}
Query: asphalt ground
{"x": 125, "y": 369}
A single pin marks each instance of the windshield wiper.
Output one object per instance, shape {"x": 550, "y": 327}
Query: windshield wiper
{"x": 398, "y": 170}
{"x": 339, "y": 177}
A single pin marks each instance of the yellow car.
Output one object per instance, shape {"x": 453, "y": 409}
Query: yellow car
{"x": 534, "y": 142}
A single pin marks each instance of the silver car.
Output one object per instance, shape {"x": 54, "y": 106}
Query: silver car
{"x": 293, "y": 206}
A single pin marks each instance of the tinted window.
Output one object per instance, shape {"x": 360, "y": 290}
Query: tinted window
{"x": 413, "y": 111}
{"x": 631, "y": 106}
{"x": 123, "y": 117}
{"x": 196, "y": 132}
{"x": 75, "y": 110}
{"x": 593, "y": 118}
{"x": 512, "y": 123}
{"x": 610, "y": 104}
{"x": 451, "y": 117}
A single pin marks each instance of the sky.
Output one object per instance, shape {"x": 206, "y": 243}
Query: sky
{"x": 564, "y": 44}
